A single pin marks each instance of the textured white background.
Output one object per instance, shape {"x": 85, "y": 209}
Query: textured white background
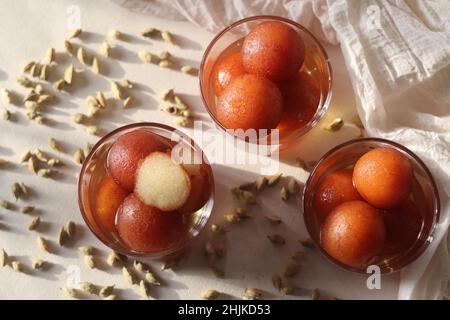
{"x": 28, "y": 29}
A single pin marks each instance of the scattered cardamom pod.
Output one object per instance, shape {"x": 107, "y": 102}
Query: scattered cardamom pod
{"x": 170, "y": 264}
{"x": 87, "y": 149}
{"x": 291, "y": 270}
{"x": 93, "y": 130}
{"x": 68, "y": 48}
{"x": 189, "y": 70}
{"x": 25, "y": 82}
{"x": 307, "y": 244}
{"x": 89, "y": 261}
{"x": 128, "y": 102}
{"x": 5, "y": 96}
{"x": 273, "y": 218}
{"x": 126, "y": 84}
{"x": 277, "y": 282}
{"x": 70, "y": 228}
{"x": 151, "y": 278}
{"x": 106, "y": 291}
{"x": 5, "y": 204}
{"x": 276, "y": 239}
{"x": 165, "y": 63}
{"x": 252, "y": 294}
{"x": 4, "y": 259}
{"x": 110, "y": 297}
{"x": 82, "y": 56}
{"x": 284, "y": 194}
{"x": 96, "y": 66}
{"x": 40, "y": 155}
{"x": 59, "y": 84}
{"x": 62, "y": 237}
{"x": 105, "y": 49}
{"x": 43, "y": 75}
{"x": 35, "y": 69}
{"x": 249, "y": 186}
{"x": 335, "y": 125}
{"x": 140, "y": 266}
{"x": 232, "y": 217}
{"x": 289, "y": 290}
{"x": 23, "y": 189}
{"x": 101, "y": 99}
{"x": 38, "y": 264}
{"x": 89, "y": 288}
{"x": 217, "y": 272}
{"x": 167, "y": 37}
{"x": 248, "y": 197}
{"x": 144, "y": 289}
{"x": 34, "y": 223}
{"x": 115, "y": 258}
{"x": 274, "y": 179}
{"x": 182, "y": 121}
{"x": 75, "y": 33}
{"x": 68, "y": 74}
{"x": 149, "y": 32}
{"x": 16, "y": 266}
{"x": 117, "y": 91}
{"x": 27, "y": 67}
{"x": 53, "y": 162}
{"x": 180, "y": 103}
{"x": 32, "y": 165}
{"x": 298, "y": 256}
{"x": 31, "y": 105}
{"x": 50, "y": 56}
{"x": 145, "y": 56}
{"x": 44, "y": 173}
{"x": 293, "y": 187}
{"x": 78, "y": 156}
{"x": 5, "y": 114}
{"x": 129, "y": 277}
{"x": 43, "y": 244}
{"x": 27, "y": 209}
{"x": 114, "y": 34}
{"x": 86, "y": 250}
{"x": 16, "y": 190}
{"x": 25, "y": 156}
{"x": 261, "y": 183}
{"x": 79, "y": 118}
{"x": 70, "y": 292}
{"x": 53, "y": 144}
{"x": 210, "y": 294}
{"x": 168, "y": 95}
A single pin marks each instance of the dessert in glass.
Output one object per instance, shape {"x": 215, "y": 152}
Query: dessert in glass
{"x": 146, "y": 189}
{"x": 266, "y": 73}
{"x": 370, "y": 202}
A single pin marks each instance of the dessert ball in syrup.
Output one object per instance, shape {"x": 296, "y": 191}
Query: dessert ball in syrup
{"x": 250, "y": 102}
{"x": 383, "y": 177}
{"x": 273, "y": 50}
{"x": 226, "y": 71}
{"x": 353, "y": 233}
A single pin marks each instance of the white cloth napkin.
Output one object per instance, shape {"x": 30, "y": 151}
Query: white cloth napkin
{"x": 398, "y": 55}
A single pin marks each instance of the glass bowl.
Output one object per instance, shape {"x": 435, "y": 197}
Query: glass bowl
{"x": 316, "y": 67}
{"x": 94, "y": 169}
{"x": 424, "y": 191}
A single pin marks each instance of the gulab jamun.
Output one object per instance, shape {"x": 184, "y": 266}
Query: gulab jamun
{"x": 383, "y": 177}
{"x": 403, "y": 225}
{"x": 250, "y": 102}
{"x": 126, "y": 153}
{"x": 108, "y": 198}
{"x": 200, "y": 189}
{"x": 273, "y": 50}
{"x": 226, "y": 71}
{"x": 335, "y": 189}
{"x": 353, "y": 233}
{"x": 301, "y": 97}
{"x": 146, "y": 229}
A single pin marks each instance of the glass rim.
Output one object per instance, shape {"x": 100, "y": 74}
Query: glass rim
{"x": 322, "y": 108}
{"x": 120, "y": 249}
{"x": 429, "y": 177}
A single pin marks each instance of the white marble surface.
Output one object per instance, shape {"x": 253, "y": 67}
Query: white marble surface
{"x": 28, "y": 29}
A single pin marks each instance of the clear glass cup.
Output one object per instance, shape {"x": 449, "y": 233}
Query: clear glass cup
{"x": 424, "y": 193}
{"x": 94, "y": 169}
{"x": 316, "y": 67}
